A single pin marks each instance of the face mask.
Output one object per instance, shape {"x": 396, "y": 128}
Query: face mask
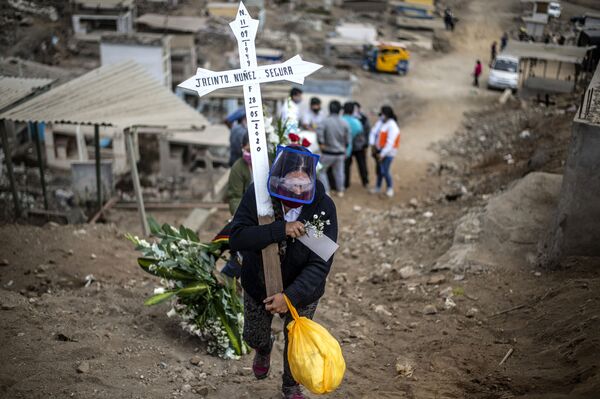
{"x": 291, "y": 204}
{"x": 247, "y": 157}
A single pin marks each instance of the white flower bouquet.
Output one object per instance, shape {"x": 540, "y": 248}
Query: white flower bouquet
{"x": 209, "y": 306}
{"x": 317, "y": 224}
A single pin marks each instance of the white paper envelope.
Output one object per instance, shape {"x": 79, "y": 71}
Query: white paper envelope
{"x": 323, "y": 246}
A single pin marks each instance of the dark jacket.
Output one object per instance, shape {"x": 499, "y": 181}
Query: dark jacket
{"x": 303, "y": 272}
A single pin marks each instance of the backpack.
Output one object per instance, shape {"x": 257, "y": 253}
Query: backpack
{"x": 359, "y": 142}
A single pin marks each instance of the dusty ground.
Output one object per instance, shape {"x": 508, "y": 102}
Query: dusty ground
{"x": 53, "y": 324}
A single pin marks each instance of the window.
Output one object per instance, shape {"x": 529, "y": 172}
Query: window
{"x": 505, "y": 65}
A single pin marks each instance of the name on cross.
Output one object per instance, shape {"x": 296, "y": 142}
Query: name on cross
{"x": 280, "y": 71}
{"x": 212, "y": 80}
{"x": 241, "y": 76}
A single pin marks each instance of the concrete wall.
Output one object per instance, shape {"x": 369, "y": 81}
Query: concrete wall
{"x": 123, "y": 22}
{"x": 68, "y": 134}
{"x": 576, "y": 227}
{"x": 152, "y": 58}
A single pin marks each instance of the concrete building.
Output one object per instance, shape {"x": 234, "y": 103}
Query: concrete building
{"x": 92, "y": 18}
{"x": 548, "y": 68}
{"x": 184, "y": 33}
{"x": 536, "y": 7}
{"x": 152, "y": 51}
{"x": 576, "y": 227}
{"x": 228, "y": 11}
{"x": 591, "y": 20}
{"x": 112, "y": 98}
{"x": 414, "y": 8}
{"x": 536, "y": 25}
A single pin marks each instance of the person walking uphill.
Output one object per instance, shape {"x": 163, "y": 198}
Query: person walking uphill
{"x": 385, "y": 140}
{"x": 297, "y": 197}
{"x": 333, "y": 136}
{"x": 477, "y": 73}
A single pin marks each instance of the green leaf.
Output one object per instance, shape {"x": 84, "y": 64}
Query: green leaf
{"x": 193, "y": 289}
{"x": 145, "y": 263}
{"x": 158, "y": 298}
{"x": 164, "y": 272}
{"x": 234, "y": 338}
{"x": 154, "y": 226}
{"x": 192, "y": 235}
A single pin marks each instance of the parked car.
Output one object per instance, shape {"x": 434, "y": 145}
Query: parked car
{"x": 554, "y": 9}
{"x": 504, "y": 73}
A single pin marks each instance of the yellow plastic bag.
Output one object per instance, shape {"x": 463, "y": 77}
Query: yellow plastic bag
{"x": 315, "y": 357}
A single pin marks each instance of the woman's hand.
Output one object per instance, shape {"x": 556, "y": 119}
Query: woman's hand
{"x": 276, "y": 304}
{"x": 294, "y": 229}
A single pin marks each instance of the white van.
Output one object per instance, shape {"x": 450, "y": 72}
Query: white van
{"x": 554, "y": 9}
{"x": 504, "y": 73}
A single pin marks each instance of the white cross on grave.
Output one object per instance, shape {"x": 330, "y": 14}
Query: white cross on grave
{"x": 250, "y": 76}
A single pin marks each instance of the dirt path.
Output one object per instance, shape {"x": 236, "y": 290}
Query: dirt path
{"x": 53, "y": 325}
{"x": 431, "y": 99}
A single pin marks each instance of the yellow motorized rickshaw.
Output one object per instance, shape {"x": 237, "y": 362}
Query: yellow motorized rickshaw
{"x": 392, "y": 58}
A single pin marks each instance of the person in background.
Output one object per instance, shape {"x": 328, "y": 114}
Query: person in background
{"x": 233, "y": 117}
{"x": 364, "y": 120}
{"x": 356, "y": 149}
{"x": 313, "y": 117}
{"x": 493, "y": 52}
{"x": 449, "y": 19}
{"x": 240, "y": 178}
{"x": 523, "y": 35}
{"x": 236, "y": 136}
{"x": 333, "y": 136}
{"x": 477, "y": 73}
{"x": 385, "y": 140}
{"x": 290, "y": 112}
{"x": 503, "y": 41}
{"x": 297, "y": 197}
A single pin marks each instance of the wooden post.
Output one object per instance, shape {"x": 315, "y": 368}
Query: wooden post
{"x": 208, "y": 159}
{"x": 38, "y": 148}
{"x": 98, "y": 172}
{"x": 136, "y": 182}
{"x": 271, "y": 263}
{"x": 9, "y": 167}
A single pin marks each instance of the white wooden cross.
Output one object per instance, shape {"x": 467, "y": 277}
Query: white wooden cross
{"x": 250, "y": 76}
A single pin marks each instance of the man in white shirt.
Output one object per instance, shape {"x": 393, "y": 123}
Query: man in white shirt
{"x": 313, "y": 117}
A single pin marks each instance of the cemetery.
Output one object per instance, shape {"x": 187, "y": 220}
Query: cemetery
{"x": 181, "y": 217}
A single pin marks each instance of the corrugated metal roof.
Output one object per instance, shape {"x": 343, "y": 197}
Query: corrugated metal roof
{"x": 13, "y": 89}
{"x": 550, "y": 52}
{"x": 172, "y": 23}
{"x": 17, "y": 67}
{"x": 115, "y": 95}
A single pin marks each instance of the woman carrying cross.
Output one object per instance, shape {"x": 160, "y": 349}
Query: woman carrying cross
{"x": 297, "y": 197}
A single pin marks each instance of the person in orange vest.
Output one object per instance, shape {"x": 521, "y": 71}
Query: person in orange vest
{"x": 385, "y": 140}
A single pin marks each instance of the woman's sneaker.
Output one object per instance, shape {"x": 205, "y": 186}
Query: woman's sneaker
{"x": 293, "y": 392}
{"x": 375, "y": 190}
{"x": 262, "y": 362}
{"x": 261, "y": 365}
{"x": 390, "y": 192}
